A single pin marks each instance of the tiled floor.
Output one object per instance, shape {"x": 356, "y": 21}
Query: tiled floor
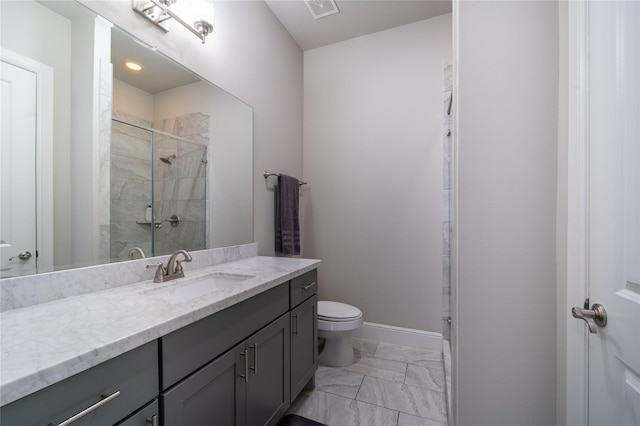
{"x": 388, "y": 385}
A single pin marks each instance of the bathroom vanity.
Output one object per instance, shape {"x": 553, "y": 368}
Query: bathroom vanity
{"x": 237, "y": 355}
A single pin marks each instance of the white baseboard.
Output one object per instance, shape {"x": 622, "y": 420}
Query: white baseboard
{"x": 400, "y": 336}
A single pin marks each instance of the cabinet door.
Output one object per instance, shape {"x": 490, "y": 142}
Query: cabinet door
{"x": 268, "y": 383}
{"x": 212, "y": 395}
{"x": 147, "y": 416}
{"x": 304, "y": 345}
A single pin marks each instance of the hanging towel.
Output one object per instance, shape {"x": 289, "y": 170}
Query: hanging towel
{"x": 287, "y": 222}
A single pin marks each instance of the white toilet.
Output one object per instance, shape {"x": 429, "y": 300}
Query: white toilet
{"x": 336, "y": 323}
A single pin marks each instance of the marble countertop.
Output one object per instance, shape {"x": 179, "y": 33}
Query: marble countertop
{"x": 45, "y": 343}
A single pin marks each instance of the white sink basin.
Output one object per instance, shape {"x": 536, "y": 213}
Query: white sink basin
{"x": 185, "y": 289}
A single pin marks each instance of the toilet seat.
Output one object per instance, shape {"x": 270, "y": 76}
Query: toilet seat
{"x": 337, "y": 312}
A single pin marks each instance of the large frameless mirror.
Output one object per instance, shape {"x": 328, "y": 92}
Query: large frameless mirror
{"x": 156, "y": 159}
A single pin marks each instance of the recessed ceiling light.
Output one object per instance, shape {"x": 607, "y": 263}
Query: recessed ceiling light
{"x": 133, "y": 66}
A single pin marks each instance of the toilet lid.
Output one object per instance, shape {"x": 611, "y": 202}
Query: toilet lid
{"x": 337, "y": 311}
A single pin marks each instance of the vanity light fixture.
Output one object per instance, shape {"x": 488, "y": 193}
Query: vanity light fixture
{"x": 194, "y": 15}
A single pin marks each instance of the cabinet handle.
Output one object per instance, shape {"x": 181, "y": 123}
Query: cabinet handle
{"x": 255, "y": 357}
{"x": 295, "y": 332}
{"x": 104, "y": 400}
{"x": 153, "y": 420}
{"x": 246, "y": 365}
{"x": 308, "y": 286}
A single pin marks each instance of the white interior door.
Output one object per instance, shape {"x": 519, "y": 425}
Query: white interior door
{"x": 17, "y": 171}
{"x": 613, "y": 236}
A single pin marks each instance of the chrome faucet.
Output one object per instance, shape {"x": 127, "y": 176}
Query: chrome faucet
{"x": 173, "y": 269}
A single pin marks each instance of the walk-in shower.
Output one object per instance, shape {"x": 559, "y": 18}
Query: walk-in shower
{"x": 140, "y": 181}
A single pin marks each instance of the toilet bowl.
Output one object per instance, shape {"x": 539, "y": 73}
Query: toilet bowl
{"x": 336, "y": 324}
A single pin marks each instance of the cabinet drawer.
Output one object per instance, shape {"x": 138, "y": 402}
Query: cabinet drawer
{"x": 133, "y": 374}
{"x": 191, "y": 347}
{"x": 303, "y": 287}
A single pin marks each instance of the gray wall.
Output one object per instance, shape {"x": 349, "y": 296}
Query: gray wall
{"x": 506, "y": 210}
{"x": 373, "y": 162}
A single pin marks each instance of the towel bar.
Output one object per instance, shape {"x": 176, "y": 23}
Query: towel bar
{"x": 267, "y": 174}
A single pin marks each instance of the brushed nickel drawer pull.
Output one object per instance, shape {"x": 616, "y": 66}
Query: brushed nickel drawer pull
{"x": 255, "y": 358}
{"x": 295, "y": 333}
{"x": 245, "y": 376}
{"x": 104, "y": 400}
{"x": 153, "y": 420}
{"x": 308, "y": 286}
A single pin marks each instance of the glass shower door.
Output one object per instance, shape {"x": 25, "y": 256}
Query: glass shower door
{"x": 131, "y": 190}
{"x": 180, "y": 194}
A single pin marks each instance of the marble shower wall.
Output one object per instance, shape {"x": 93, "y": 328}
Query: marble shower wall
{"x": 179, "y": 188}
{"x": 130, "y": 188}
{"x": 447, "y": 186}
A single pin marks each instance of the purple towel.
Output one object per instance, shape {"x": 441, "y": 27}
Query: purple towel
{"x": 287, "y": 222}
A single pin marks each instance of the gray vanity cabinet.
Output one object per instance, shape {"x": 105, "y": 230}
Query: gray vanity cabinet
{"x": 304, "y": 331}
{"x": 146, "y": 416}
{"x": 231, "y": 368}
{"x": 106, "y": 393}
{"x": 248, "y": 385}
{"x": 266, "y": 374}
{"x": 210, "y": 396}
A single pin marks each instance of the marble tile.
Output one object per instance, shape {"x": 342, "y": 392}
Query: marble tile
{"x": 446, "y": 300}
{"x": 447, "y": 74}
{"x": 429, "y": 378}
{"x": 423, "y": 357}
{"x": 446, "y": 355}
{"x": 334, "y": 410}
{"x": 130, "y": 168}
{"x": 405, "y": 419}
{"x": 338, "y": 382}
{"x": 404, "y": 398}
{"x": 381, "y": 368}
{"x": 363, "y": 347}
{"x": 446, "y": 204}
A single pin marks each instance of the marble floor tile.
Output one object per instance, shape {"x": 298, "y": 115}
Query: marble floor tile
{"x": 417, "y": 356}
{"x": 388, "y": 385}
{"x": 334, "y": 410}
{"x": 430, "y": 378}
{"x": 409, "y": 420}
{"x": 363, "y": 347}
{"x": 338, "y": 382}
{"x": 380, "y": 368}
{"x": 405, "y": 398}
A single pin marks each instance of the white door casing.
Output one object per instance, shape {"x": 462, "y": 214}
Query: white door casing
{"x": 27, "y": 166}
{"x": 603, "y": 369}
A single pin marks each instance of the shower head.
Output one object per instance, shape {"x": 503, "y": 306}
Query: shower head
{"x": 167, "y": 160}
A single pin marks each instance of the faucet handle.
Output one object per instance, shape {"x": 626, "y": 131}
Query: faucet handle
{"x": 179, "y": 264}
{"x": 160, "y": 272}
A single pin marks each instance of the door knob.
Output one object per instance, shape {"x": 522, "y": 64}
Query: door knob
{"x": 25, "y": 255}
{"x": 596, "y": 316}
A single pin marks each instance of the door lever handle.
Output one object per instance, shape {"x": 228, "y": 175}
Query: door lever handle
{"x": 24, "y": 255}
{"x": 596, "y": 316}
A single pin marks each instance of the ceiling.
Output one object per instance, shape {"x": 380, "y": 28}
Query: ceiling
{"x": 356, "y": 18}
{"x": 158, "y": 73}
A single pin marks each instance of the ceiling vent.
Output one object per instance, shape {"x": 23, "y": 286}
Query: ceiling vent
{"x": 321, "y": 8}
